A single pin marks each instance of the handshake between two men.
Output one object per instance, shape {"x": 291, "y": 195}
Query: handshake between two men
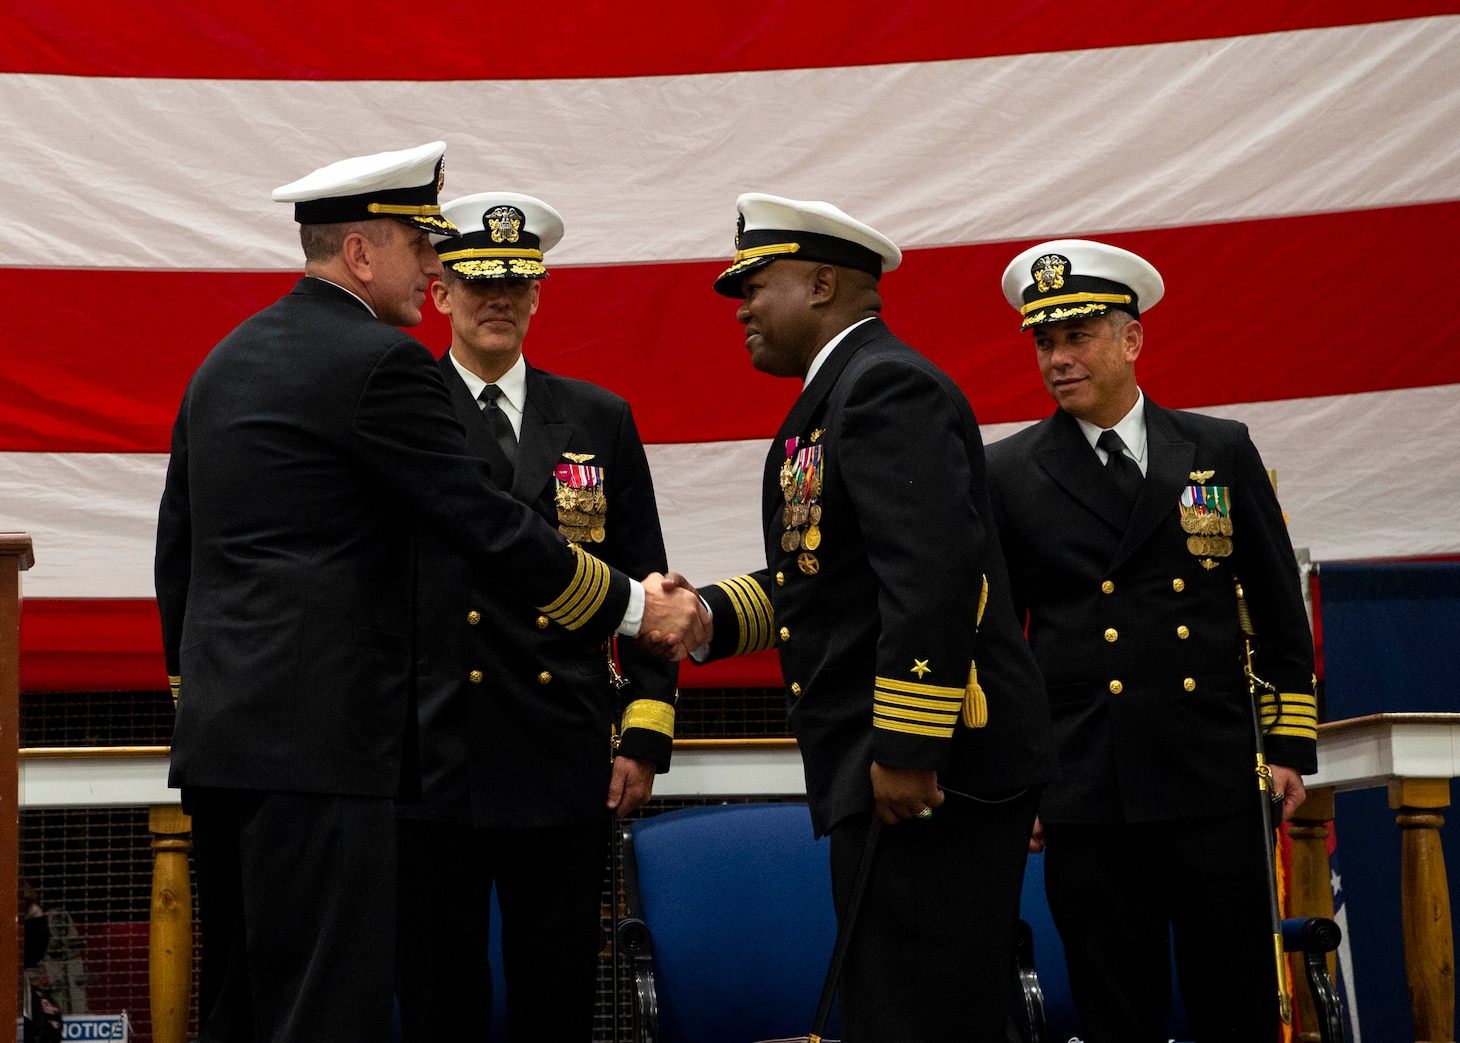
{"x": 676, "y": 621}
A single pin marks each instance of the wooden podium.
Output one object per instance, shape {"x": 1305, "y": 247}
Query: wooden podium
{"x": 1414, "y": 755}
{"x": 15, "y": 558}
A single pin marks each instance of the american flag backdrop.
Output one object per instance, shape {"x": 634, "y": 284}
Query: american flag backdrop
{"x": 1293, "y": 169}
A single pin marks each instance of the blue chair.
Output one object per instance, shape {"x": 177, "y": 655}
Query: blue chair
{"x": 730, "y": 923}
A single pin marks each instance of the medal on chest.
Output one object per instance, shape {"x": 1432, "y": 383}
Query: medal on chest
{"x": 582, "y": 505}
{"x": 1206, "y": 515}
{"x": 801, "y": 489}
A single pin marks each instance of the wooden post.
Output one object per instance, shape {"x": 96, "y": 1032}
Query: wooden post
{"x": 15, "y": 558}
{"x": 1312, "y": 892}
{"x": 1429, "y": 941}
{"x": 171, "y": 934}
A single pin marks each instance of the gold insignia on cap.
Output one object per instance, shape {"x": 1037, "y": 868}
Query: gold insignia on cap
{"x": 739, "y": 230}
{"x": 920, "y": 667}
{"x": 1049, "y": 272}
{"x": 1200, "y": 477}
{"x": 479, "y": 268}
{"x": 579, "y": 458}
{"x": 440, "y": 174}
{"x": 505, "y": 223}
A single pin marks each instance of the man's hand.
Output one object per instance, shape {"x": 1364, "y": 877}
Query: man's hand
{"x": 1289, "y": 784}
{"x": 676, "y": 621}
{"x": 631, "y": 786}
{"x": 904, "y": 793}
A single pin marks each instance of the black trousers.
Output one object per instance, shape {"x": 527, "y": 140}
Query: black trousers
{"x": 1122, "y": 894}
{"x": 932, "y": 949}
{"x": 296, "y": 896}
{"x": 549, "y": 888}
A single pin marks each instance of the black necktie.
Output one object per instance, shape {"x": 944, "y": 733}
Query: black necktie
{"x": 501, "y": 426}
{"x": 1122, "y": 469}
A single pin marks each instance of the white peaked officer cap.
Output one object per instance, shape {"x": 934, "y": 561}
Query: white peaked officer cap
{"x": 1075, "y": 278}
{"x": 400, "y": 185}
{"x": 772, "y": 228}
{"x": 503, "y": 236}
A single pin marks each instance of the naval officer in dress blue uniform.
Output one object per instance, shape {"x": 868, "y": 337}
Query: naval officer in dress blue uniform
{"x": 1127, "y": 528}
{"x": 526, "y": 738}
{"x": 911, "y": 690}
{"x": 309, "y": 443}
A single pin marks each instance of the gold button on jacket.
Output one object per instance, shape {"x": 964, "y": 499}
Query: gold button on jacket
{"x": 1116, "y": 687}
{"x": 795, "y": 688}
{"x": 475, "y": 677}
{"x": 544, "y": 677}
{"x": 542, "y": 622}
{"x": 1189, "y": 684}
{"x": 1183, "y": 633}
{"x": 473, "y": 617}
{"x": 1107, "y": 587}
{"x": 1110, "y": 634}
{"x": 1178, "y": 585}
{"x": 785, "y": 634}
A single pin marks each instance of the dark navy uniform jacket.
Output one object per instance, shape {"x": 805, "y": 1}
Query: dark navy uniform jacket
{"x": 1134, "y": 622}
{"x": 517, "y": 713}
{"x": 878, "y": 626}
{"x": 309, "y": 442}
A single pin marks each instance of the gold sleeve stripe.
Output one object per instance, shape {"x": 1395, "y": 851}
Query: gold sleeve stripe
{"x": 913, "y": 702}
{"x": 650, "y": 714}
{"x": 1293, "y": 733}
{"x": 1298, "y": 718}
{"x": 908, "y": 728}
{"x": 932, "y": 708}
{"x": 173, "y": 680}
{"x": 888, "y": 684}
{"x": 905, "y": 713}
{"x": 584, "y": 595}
{"x": 753, "y": 614}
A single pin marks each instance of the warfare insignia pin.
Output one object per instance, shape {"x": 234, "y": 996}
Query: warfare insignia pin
{"x": 505, "y": 223}
{"x": 1200, "y": 477}
{"x": 579, "y": 458}
{"x": 816, "y": 435}
{"x": 1049, "y": 272}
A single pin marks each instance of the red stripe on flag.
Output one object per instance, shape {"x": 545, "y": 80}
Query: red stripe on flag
{"x": 82, "y": 645}
{"x": 1255, "y": 311}
{"x": 754, "y": 670}
{"x": 458, "y": 40}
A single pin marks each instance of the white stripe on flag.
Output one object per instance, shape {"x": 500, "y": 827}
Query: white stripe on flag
{"x": 176, "y": 174}
{"x": 92, "y": 516}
